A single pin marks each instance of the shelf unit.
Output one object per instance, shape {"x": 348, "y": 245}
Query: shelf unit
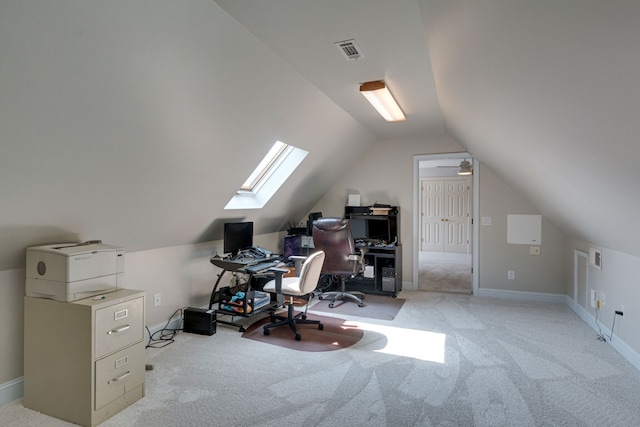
{"x": 379, "y": 236}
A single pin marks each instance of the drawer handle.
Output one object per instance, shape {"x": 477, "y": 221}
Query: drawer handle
{"x": 120, "y": 378}
{"x": 120, "y": 329}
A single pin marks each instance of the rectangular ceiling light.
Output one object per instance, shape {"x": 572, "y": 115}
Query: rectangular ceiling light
{"x": 379, "y": 96}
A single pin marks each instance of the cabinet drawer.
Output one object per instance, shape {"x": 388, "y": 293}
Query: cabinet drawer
{"x": 119, "y": 373}
{"x": 118, "y": 326}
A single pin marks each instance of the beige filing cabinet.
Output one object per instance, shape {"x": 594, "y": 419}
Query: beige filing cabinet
{"x": 84, "y": 360}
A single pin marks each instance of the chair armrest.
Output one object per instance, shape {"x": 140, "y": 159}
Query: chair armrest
{"x": 298, "y": 260}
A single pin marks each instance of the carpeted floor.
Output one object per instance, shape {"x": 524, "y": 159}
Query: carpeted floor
{"x": 335, "y": 335}
{"x": 446, "y": 360}
{"x": 444, "y": 272}
{"x": 375, "y": 307}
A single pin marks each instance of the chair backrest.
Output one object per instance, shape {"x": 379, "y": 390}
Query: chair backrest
{"x": 333, "y": 236}
{"x": 310, "y": 272}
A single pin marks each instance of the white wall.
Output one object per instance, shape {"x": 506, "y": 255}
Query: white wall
{"x": 384, "y": 174}
{"x": 183, "y": 276}
{"x": 544, "y": 273}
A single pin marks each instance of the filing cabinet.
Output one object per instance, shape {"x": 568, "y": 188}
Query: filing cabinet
{"x": 84, "y": 361}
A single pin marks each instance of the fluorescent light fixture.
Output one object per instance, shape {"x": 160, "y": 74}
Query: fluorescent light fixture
{"x": 379, "y": 96}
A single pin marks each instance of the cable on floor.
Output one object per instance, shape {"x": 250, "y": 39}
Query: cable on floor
{"x": 166, "y": 334}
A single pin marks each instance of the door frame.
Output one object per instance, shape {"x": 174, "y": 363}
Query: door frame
{"x": 476, "y": 212}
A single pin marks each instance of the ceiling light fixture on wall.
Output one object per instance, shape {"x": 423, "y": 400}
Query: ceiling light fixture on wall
{"x": 465, "y": 168}
{"x": 379, "y": 96}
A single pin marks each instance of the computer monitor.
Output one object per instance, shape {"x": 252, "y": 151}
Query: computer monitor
{"x": 292, "y": 246}
{"x": 238, "y": 236}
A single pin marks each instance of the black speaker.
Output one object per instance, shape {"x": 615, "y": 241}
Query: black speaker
{"x": 199, "y": 321}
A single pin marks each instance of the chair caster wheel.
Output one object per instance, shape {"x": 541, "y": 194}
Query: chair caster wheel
{"x": 266, "y": 331}
{"x": 320, "y": 326}
{"x": 304, "y": 317}
{"x": 361, "y": 304}
{"x": 241, "y": 329}
{"x": 298, "y": 337}
{"x": 330, "y": 305}
{"x": 320, "y": 297}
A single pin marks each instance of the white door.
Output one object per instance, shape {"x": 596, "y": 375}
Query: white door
{"x": 445, "y": 219}
{"x": 432, "y": 215}
{"x": 456, "y": 216}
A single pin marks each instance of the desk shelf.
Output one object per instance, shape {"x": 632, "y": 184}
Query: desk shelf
{"x": 386, "y": 262}
{"x": 224, "y": 300}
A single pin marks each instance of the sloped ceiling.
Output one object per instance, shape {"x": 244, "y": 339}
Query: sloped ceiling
{"x": 134, "y": 122}
{"x": 544, "y": 93}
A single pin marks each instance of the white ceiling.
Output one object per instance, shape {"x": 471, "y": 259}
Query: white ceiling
{"x": 136, "y": 123}
{"x": 544, "y": 92}
{"x": 390, "y": 34}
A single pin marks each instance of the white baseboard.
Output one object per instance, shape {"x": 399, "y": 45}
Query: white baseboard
{"x": 11, "y": 390}
{"x": 521, "y": 295}
{"x": 14, "y": 389}
{"x": 618, "y": 344}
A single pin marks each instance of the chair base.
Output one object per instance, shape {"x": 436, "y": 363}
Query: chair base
{"x": 291, "y": 321}
{"x": 343, "y": 295}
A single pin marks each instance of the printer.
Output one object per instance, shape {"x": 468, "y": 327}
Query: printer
{"x": 72, "y": 271}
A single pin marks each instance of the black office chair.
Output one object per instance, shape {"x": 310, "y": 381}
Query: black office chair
{"x": 300, "y": 287}
{"x": 333, "y": 236}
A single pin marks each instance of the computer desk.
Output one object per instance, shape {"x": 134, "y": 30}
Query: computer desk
{"x": 233, "y": 266}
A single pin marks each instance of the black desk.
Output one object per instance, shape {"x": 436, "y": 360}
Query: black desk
{"x": 228, "y": 265}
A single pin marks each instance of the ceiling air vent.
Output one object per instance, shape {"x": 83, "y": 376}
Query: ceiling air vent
{"x": 350, "y": 49}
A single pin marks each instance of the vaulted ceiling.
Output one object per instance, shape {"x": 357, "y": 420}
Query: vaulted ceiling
{"x": 545, "y": 93}
{"x": 135, "y": 122}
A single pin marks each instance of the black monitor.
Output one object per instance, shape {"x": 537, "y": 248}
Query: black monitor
{"x": 238, "y": 236}
{"x": 292, "y": 246}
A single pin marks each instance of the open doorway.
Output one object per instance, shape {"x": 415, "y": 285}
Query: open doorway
{"x": 444, "y": 232}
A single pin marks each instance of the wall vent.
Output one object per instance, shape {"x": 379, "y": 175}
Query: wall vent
{"x": 350, "y": 49}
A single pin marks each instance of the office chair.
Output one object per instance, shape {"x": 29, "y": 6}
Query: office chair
{"x": 300, "y": 287}
{"x": 333, "y": 236}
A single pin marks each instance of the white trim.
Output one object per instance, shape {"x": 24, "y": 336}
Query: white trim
{"x": 618, "y": 344}
{"x": 11, "y": 390}
{"x": 578, "y": 253}
{"x": 523, "y": 296}
{"x": 476, "y": 213}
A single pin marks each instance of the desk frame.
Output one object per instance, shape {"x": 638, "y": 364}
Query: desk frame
{"x": 234, "y": 267}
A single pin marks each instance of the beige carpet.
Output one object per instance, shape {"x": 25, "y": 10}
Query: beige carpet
{"x": 375, "y": 307}
{"x": 445, "y": 272}
{"x": 446, "y": 360}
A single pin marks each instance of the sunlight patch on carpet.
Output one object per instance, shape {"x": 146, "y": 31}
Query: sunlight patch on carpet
{"x": 421, "y": 345}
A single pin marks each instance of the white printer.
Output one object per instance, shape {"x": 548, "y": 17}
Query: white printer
{"x": 72, "y": 271}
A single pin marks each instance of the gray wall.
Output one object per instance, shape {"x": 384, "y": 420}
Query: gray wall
{"x": 544, "y": 273}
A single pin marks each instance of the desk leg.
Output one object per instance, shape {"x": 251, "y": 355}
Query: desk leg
{"x": 215, "y": 289}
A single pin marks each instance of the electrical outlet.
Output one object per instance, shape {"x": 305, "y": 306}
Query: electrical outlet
{"x": 601, "y": 297}
{"x": 157, "y": 300}
{"x": 511, "y": 275}
{"x": 534, "y": 250}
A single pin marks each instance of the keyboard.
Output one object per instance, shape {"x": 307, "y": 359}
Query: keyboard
{"x": 256, "y": 268}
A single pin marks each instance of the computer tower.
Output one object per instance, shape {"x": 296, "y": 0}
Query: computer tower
{"x": 199, "y": 321}
{"x": 388, "y": 279}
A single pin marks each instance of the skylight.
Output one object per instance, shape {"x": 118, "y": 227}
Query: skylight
{"x": 274, "y": 169}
